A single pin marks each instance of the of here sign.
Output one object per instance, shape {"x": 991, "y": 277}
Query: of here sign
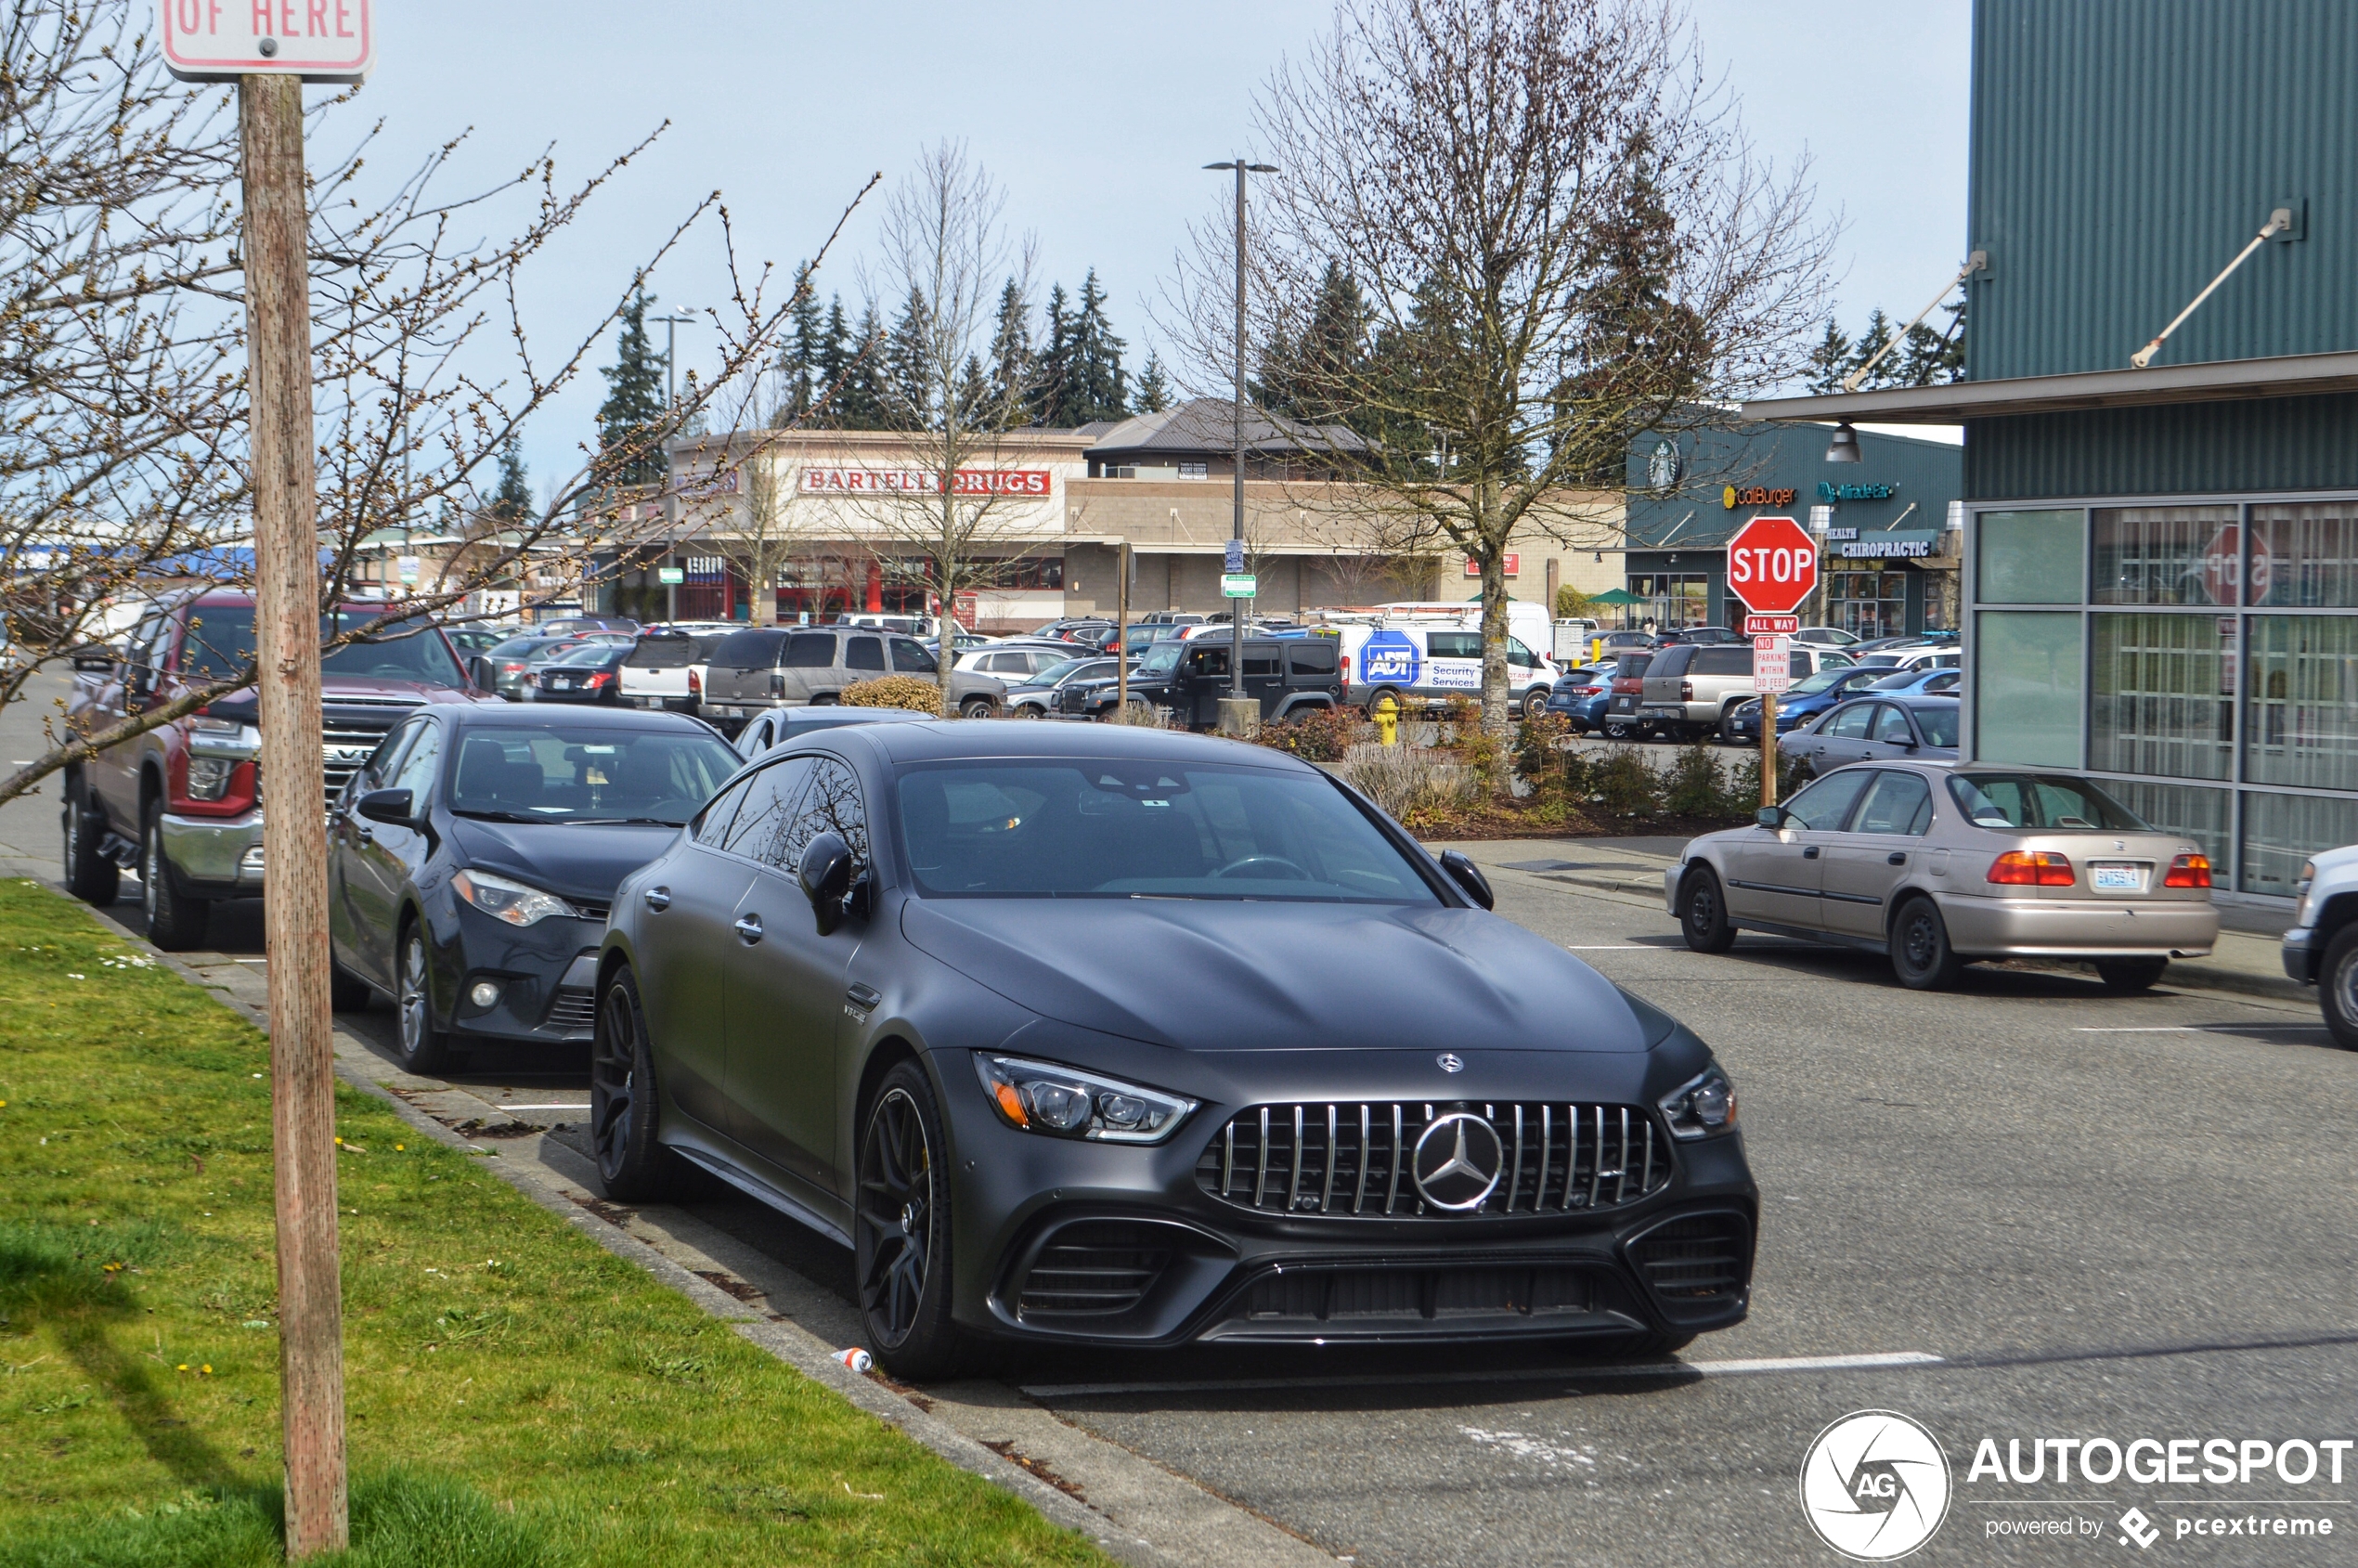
{"x": 222, "y": 40}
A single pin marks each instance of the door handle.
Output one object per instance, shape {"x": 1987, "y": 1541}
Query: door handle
{"x": 1898, "y": 857}
{"x": 748, "y": 928}
{"x": 658, "y": 898}
{"x": 367, "y": 835}
{"x": 864, "y": 996}
{"x": 1809, "y": 853}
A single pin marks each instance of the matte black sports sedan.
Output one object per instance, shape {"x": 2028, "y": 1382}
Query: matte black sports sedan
{"x": 470, "y": 863}
{"x": 1124, "y": 1037}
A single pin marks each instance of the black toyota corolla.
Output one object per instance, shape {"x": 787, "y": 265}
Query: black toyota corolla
{"x": 1114, "y": 1036}
{"x": 471, "y": 860}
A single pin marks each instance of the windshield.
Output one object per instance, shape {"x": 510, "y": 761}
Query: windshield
{"x": 1940, "y": 724}
{"x": 221, "y": 643}
{"x": 1161, "y": 659}
{"x": 1131, "y": 829}
{"x": 2051, "y": 802}
{"x": 1825, "y": 681}
{"x": 1055, "y": 672}
{"x": 588, "y": 652}
{"x": 584, "y": 774}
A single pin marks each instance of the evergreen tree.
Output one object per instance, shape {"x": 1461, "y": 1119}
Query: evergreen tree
{"x": 804, "y": 352}
{"x": 861, "y": 402}
{"x": 1152, "y": 393}
{"x": 1830, "y": 361}
{"x": 1049, "y": 388}
{"x": 1096, "y": 386}
{"x": 908, "y": 397}
{"x": 628, "y": 420}
{"x": 512, "y": 501}
{"x": 1871, "y": 343}
{"x": 978, "y": 404}
{"x": 1927, "y": 357}
{"x": 1012, "y": 367}
{"x": 832, "y": 368}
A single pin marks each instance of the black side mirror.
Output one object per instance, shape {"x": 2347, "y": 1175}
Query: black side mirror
{"x": 1771, "y": 816}
{"x": 93, "y": 661}
{"x": 390, "y": 807}
{"x": 825, "y": 875}
{"x": 1469, "y": 877}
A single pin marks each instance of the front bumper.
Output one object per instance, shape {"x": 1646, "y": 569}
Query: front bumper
{"x": 215, "y": 857}
{"x": 2080, "y": 927}
{"x": 546, "y": 972}
{"x": 2301, "y": 949}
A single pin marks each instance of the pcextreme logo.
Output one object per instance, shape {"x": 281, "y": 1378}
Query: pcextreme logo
{"x": 1874, "y": 1485}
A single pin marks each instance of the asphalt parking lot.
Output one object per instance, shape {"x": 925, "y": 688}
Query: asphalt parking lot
{"x": 2023, "y": 1210}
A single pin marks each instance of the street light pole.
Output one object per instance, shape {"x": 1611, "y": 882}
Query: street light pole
{"x": 671, "y": 353}
{"x": 1237, "y": 532}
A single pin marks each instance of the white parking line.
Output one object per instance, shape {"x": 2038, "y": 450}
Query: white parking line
{"x": 582, "y": 1106}
{"x": 2193, "y": 1028}
{"x": 1770, "y": 1365}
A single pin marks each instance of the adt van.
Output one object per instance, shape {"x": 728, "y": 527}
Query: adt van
{"x": 1422, "y": 666}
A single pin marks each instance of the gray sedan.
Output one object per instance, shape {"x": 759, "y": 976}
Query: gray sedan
{"x": 1938, "y": 867}
{"x": 1867, "y": 729}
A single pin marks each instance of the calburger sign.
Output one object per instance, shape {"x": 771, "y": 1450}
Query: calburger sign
{"x": 925, "y": 482}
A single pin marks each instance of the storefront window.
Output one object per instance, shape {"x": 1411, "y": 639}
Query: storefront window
{"x": 1868, "y": 604}
{"x": 2300, "y": 718}
{"x": 1674, "y": 599}
{"x": 2207, "y": 816}
{"x": 2027, "y": 686}
{"x": 2162, "y": 695}
{"x": 2281, "y": 831}
{"x": 2028, "y": 557}
{"x": 2165, "y": 555}
{"x": 2305, "y": 555}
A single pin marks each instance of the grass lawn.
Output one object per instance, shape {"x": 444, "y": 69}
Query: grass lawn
{"x": 515, "y": 1394}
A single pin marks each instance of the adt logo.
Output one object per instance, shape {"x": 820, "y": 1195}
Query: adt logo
{"x": 1388, "y": 656}
{"x": 1875, "y": 1485}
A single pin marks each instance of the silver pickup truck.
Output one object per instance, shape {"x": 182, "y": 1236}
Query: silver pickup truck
{"x": 784, "y": 666}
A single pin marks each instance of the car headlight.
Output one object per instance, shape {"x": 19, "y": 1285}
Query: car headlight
{"x": 209, "y": 777}
{"x": 1704, "y": 1107}
{"x": 511, "y": 902}
{"x": 1066, "y": 1103}
{"x": 2301, "y": 892}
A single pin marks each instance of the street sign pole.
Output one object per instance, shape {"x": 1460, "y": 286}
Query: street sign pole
{"x": 1773, "y": 566}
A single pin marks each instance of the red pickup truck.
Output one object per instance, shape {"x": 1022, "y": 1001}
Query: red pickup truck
{"x": 181, "y": 805}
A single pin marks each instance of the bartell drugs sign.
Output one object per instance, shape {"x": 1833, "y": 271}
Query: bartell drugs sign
{"x": 926, "y": 482}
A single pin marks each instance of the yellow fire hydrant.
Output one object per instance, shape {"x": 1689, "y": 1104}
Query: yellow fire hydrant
{"x": 1387, "y": 717}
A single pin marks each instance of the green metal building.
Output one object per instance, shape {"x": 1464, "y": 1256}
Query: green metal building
{"x": 2161, "y": 562}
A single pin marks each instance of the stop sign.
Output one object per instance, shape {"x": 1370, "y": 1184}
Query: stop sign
{"x": 1772, "y": 565}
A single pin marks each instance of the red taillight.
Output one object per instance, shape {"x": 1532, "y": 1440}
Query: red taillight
{"x": 603, "y": 678}
{"x": 2188, "y": 871}
{"x": 1686, "y": 690}
{"x": 2023, "y": 868}
{"x": 1343, "y": 663}
{"x": 1629, "y": 688}
{"x": 695, "y": 687}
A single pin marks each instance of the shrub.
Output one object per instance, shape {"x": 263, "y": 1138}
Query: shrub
{"x": 895, "y": 691}
{"x": 1539, "y": 756}
{"x": 1622, "y": 785}
{"x": 1323, "y": 734}
{"x": 1406, "y": 779}
{"x": 1693, "y": 787}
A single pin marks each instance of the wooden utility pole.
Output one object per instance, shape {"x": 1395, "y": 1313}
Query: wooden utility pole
{"x": 285, "y": 551}
{"x": 1768, "y": 748}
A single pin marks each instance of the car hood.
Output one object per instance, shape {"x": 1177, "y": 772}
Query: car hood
{"x": 585, "y": 861}
{"x": 1215, "y": 976}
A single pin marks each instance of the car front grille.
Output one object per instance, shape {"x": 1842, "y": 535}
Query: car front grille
{"x": 575, "y": 1009}
{"x": 346, "y": 739}
{"x": 1096, "y": 1269}
{"x": 1353, "y": 1295}
{"x": 1695, "y": 1258}
{"x": 1353, "y": 1159}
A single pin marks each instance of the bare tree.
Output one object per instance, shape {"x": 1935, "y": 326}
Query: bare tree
{"x": 962, "y": 515}
{"x": 1553, "y": 238}
{"x": 122, "y": 460}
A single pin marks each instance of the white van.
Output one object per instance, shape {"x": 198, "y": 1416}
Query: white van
{"x": 1421, "y": 666}
{"x": 1531, "y": 622}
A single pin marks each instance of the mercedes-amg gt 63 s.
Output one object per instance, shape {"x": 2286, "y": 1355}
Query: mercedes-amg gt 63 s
{"x": 1110, "y": 1036}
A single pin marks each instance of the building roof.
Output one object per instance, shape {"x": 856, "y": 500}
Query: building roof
{"x": 2290, "y": 375}
{"x": 1205, "y": 426}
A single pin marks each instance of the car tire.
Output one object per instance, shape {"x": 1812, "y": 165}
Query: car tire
{"x": 1703, "y": 912}
{"x": 2127, "y": 977}
{"x": 2338, "y": 987}
{"x": 347, "y": 992}
{"x": 1023, "y": 711}
{"x": 90, "y": 876}
{"x": 421, "y": 1046}
{"x": 1534, "y": 703}
{"x": 902, "y": 1230}
{"x": 1921, "y": 955}
{"x": 633, "y": 1164}
{"x": 977, "y": 707}
{"x": 1616, "y": 729}
{"x": 175, "y": 923}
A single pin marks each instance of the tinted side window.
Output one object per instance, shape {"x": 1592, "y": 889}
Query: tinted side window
{"x": 420, "y": 767}
{"x": 387, "y": 755}
{"x": 864, "y": 652}
{"x": 1453, "y": 645}
{"x": 811, "y": 650}
{"x": 767, "y": 817}
{"x": 1671, "y": 661}
{"x": 1797, "y": 662}
{"x": 1850, "y": 723}
{"x": 1315, "y": 656}
{"x": 1824, "y": 804}
{"x": 1258, "y": 662}
{"x": 1721, "y": 661}
{"x": 712, "y": 824}
{"x": 747, "y": 650}
{"x": 1898, "y": 803}
{"x": 912, "y": 658}
{"x": 1519, "y": 654}
{"x": 832, "y": 804}
{"x": 663, "y": 652}
{"x": 1891, "y": 727}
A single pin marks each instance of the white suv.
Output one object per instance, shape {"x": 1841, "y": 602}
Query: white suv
{"x": 2321, "y": 947}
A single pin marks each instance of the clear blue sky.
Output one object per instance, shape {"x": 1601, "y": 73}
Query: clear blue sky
{"x": 1096, "y": 118}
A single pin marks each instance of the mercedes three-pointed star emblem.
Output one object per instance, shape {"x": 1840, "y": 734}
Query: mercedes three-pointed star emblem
{"x": 1458, "y": 1161}
{"x": 1451, "y": 1062}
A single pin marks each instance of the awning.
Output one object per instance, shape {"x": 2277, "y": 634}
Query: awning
{"x": 2291, "y": 375}
{"x": 1616, "y": 597}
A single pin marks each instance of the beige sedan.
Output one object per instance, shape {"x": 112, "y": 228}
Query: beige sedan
{"x": 1936, "y": 866}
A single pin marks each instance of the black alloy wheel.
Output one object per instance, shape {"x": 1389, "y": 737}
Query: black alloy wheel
{"x": 423, "y": 1047}
{"x": 175, "y": 923}
{"x": 1703, "y": 912}
{"x": 901, "y": 1240}
{"x": 632, "y": 1166}
{"x": 1921, "y": 955}
{"x": 90, "y": 876}
{"x": 2127, "y": 977}
{"x": 2338, "y": 987}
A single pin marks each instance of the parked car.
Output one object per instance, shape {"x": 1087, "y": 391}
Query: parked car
{"x": 472, "y": 861}
{"x": 1288, "y": 676}
{"x": 1067, "y": 630}
{"x": 1826, "y": 636}
{"x": 503, "y": 670}
{"x": 1036, "y": 698}
{"x": 776, "y": 726}
{"x": 472, "y": 639}
{"x": 1929, "y": 681}
{"x": 1581, "y": 695}
{"x": 1610, "y": 645}
{"x": 1700, "y": 636}
{"x": 591, "y": 673}
{"x": 1690, "y": 689}
{"x": 786, "y": 667}
{"x": 1937, "y": 869}
{"x": 1625, "y": 695}
{"x": 1420, "y": 667}
{"x": 664, "y": 667}
{"x": 1804, "y": 702}
{"x": 1867, "y": 729}
{"x": 182, "y": 804}
{"x": 576, "y": 624}
{"x": 899, "y": 981}
{"x": 1016, "y": 665}
{"x": 2321, "y": 947}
